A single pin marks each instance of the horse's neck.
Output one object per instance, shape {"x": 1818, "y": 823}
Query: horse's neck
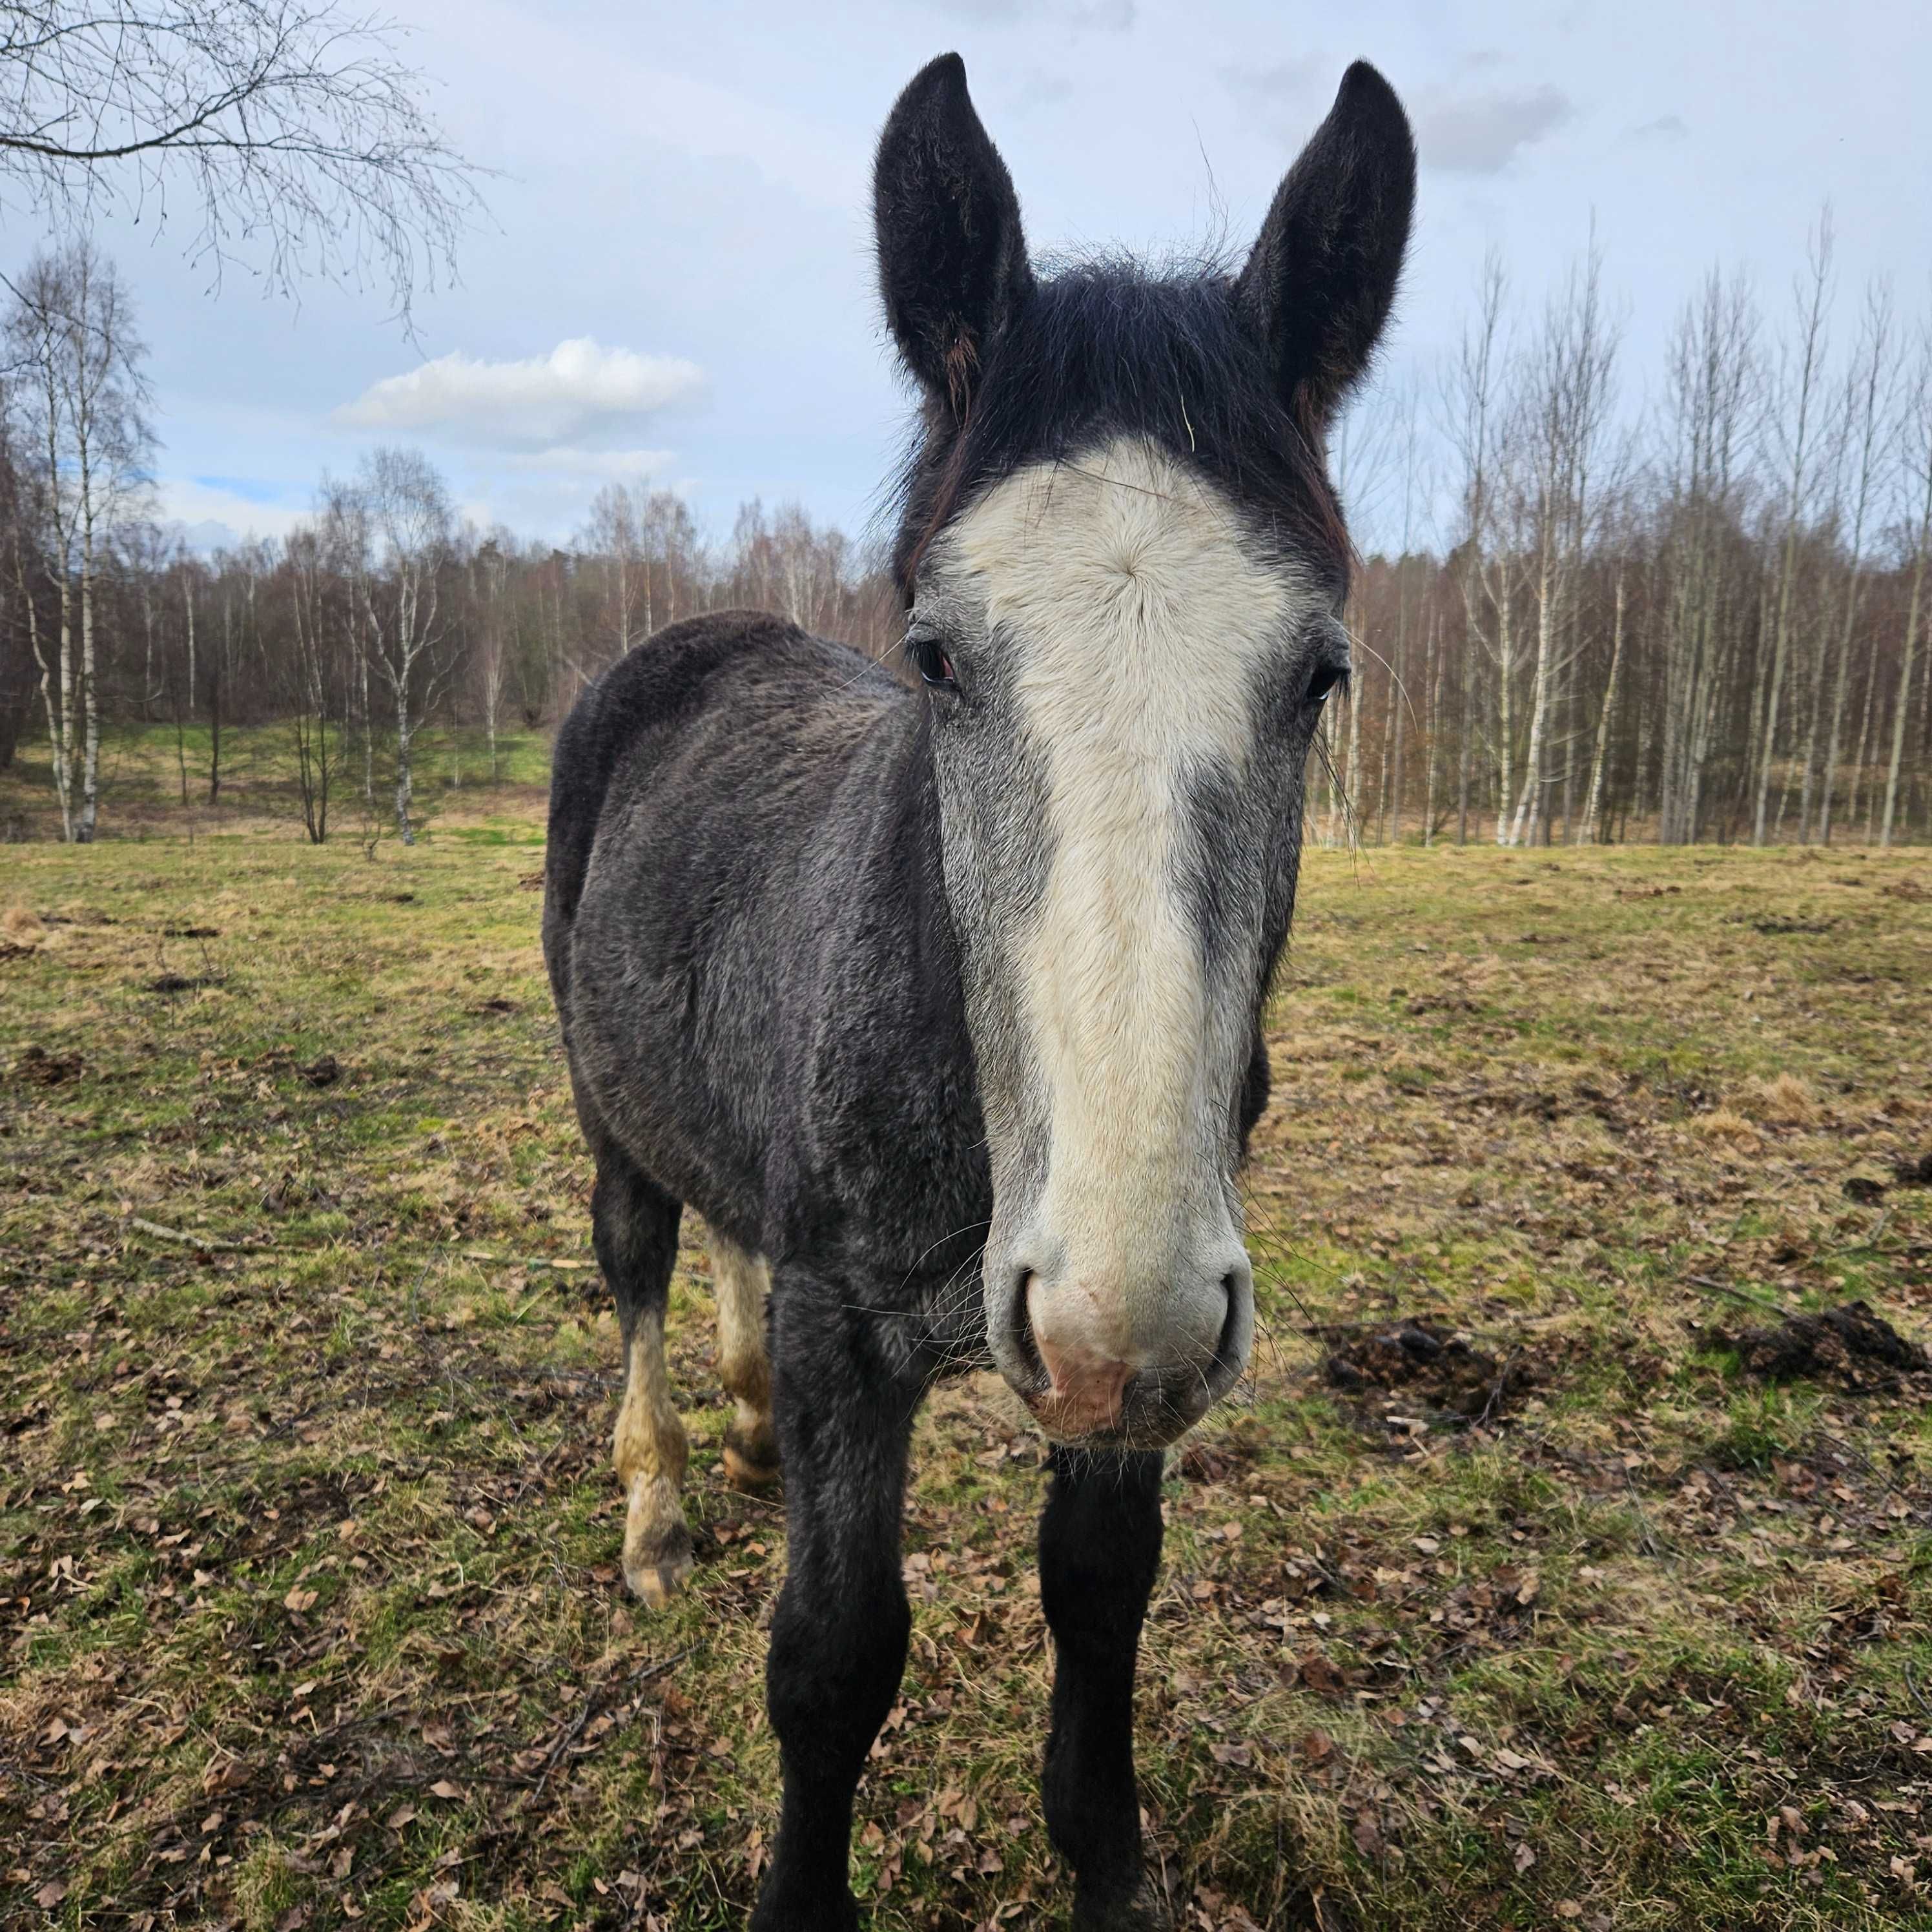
{"x": 898, "y": 1059}
{"x": 877, "y": 897}
{"x": 907, "y": 850}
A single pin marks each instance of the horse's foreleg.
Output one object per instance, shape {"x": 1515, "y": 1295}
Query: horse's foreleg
{"x": 742, "y": 1282}
{"x": 839, "y": 1633}
{"x": 1099, "y": 1549}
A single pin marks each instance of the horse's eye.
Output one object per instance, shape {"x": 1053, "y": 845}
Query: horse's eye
{"x": 1326, "y": 676}
{"x": 926, "y": 651}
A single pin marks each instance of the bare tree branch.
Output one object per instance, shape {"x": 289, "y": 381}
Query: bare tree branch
{"x": 292, "y": 134}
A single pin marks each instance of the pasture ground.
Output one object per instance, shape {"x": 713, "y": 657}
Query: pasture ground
{"x": 1511, "y": 1593}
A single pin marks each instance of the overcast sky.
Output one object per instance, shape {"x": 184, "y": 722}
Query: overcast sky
{"x": 677, "y": 280}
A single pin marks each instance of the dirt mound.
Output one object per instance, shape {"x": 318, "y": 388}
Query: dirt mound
{"x": 1911, "y": 1170}
{"x": 1784, "y": 928}
{"x": 39, "y": 1068}
{"x": 182, "y": 982}
{"x": 1849, "y": 1344}
{"x": 1439, "y": 1367}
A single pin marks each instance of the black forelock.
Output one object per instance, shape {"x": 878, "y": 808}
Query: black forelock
{"x": 1108, "y": 347}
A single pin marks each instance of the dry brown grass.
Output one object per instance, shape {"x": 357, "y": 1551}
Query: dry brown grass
{"x": 308, "y": 1583}
{"x": 1726, "y": 1124}
{"x": 1783, "y": 1101}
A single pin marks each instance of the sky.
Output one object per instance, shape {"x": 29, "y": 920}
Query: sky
{"x": 675, "y": 281}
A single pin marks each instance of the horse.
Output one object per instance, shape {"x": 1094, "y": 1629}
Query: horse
{"x": 940, "y": 999}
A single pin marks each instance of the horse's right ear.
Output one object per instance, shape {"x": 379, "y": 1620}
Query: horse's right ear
{"x": 952, "y": 260}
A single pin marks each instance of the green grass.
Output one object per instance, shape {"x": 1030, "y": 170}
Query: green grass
{"x": 154, "y": 783}
{"x": 308, "y": 1544}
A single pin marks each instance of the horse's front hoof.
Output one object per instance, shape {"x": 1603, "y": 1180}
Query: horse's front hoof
{"x": 1146, "y": 1911}
{"x": 658, "y": 1571}
{"x": 780, "y": 1909}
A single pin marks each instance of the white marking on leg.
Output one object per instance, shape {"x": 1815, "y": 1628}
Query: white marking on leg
{"x": 649, "y": 1449}
{"x": 742, "y": 1282}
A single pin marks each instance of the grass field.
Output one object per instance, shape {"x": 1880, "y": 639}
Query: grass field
{"x": 1511, "y": 1594}
{"x": 155, "y": 781}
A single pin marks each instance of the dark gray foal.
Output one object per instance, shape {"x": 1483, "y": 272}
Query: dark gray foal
{"x": 943, "y": 1005}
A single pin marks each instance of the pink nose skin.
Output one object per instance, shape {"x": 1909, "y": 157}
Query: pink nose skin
{"x": 1084, "y": 1399}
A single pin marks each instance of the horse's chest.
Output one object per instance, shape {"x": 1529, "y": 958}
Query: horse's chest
{"x": 945, "y": 1333}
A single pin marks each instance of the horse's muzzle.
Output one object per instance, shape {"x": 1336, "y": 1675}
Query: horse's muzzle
{"x": 1088, "y": 1390}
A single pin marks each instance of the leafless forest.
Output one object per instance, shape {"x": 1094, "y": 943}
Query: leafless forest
{"x": 384, "y": 615}
{"x": 1685, "y": 603}
{"x": 1682, "y": 604}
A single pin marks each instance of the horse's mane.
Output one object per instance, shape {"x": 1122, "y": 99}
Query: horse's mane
{"x": 1106, "y": 346}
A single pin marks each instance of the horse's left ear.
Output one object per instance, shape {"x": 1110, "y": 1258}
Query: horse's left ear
{"x": 1318, "y": 285}
{"x": 952, "y": 259}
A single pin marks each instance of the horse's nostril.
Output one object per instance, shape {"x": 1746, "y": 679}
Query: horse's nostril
{"x": 1227, "y": 1346}
{"x": 1020, "y": 1321}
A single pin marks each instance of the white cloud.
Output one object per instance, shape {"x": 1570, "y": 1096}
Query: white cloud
{"x": 606, "y": 465}
{"x": 548, "y": 504}
{"x": 540, "y": 399}
{"x": 1296, "y": 83}
{"x": 1480, "y": 134}
{"x": 211, "y": 518}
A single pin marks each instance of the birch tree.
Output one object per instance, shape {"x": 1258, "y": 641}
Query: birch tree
{"x": 1916, "y": 470}
{"x": 1593, "y": 800}
{"x": 491, "y": 568}
{"x": 1362, "y": 457}
{"x": 82, "y": 398}
{"x": 1469, "y": 416}
{"x": 1866, "y": 418}
{"x": 1562, "y": 417}
{"x": 1711, "y": 411}
{"x": 614, "y": 537}
{"x": 410, "y": 524}
{"x": 1796, "y": 420}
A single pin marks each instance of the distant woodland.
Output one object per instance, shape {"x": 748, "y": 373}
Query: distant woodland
{"x": 1680, "y": 605}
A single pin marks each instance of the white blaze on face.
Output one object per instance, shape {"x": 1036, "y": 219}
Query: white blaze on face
{"x": 1136, "y": 628}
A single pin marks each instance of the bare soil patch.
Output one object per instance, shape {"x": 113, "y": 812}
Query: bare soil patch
{"x": 1438, "y": 1369}
{"x": 1850, "y": 1346}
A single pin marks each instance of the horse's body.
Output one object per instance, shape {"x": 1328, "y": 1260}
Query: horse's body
{"x": 942, "y": 1007}
{"x": 780, "y": 1044}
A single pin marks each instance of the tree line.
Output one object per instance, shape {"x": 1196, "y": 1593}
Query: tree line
{"x": 382, "y": 614}
{"x": 1699, "y": 613}
{"x": 1694, "y": 607}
